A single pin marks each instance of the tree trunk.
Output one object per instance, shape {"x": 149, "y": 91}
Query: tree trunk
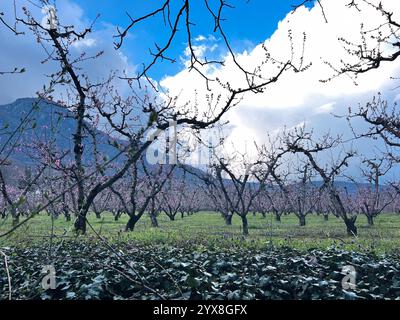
{"x": 302, "y": 221}
{"x": 245, "y": 226}
{"x": 171, "y": 218}
{"x": 117, "y": 215}
{"x": 80, "y": 224}
{"x": 98, "y": 215}
{"x": 263, "y": 214}
{"x": 15, "y": 221}
{"x": 326, "y": 217}
{"x": 277, "y": 217}
{"x": 182, "y": 215}
{"x": 228, "y": 220}
{"x": 351, "y": 227}
{"x": 154, "y": 222}
{"x": 130, "y": 226}
{"x": 370, "y": 219}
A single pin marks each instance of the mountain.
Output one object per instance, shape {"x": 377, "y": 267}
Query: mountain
{"x": 351, "y": 187}
{"x": 42, "y": 121}
{"x": 48, "y": 121}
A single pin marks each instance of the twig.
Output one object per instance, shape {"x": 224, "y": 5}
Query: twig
{"x": 169, "y": 275}
{"x": 8, "y": 274}
{"x": 118, "y": 255}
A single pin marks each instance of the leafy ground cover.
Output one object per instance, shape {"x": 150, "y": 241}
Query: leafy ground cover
{"x": 199, "y": 257}
{"x": 88, "y": 270}
{"x": 210, "y": 230}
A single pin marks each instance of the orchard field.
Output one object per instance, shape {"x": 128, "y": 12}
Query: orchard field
{"x": 199, "y": 257}
{"x": 209, "y": 229}
{"x": 199, "y": 149}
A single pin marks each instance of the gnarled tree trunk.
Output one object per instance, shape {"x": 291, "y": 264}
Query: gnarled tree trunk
{"x": 154, "y": 222}
{"x": 351, "y": 227}
{"x": 245, "y": 225}
{"x": 130, "y": 226}
{"x": 80, "y": 223}
{"x": 302, "y": 221}
{"x": 228, "y": 219}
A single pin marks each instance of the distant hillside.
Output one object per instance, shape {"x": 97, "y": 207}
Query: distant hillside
{"x": 48, "y": 115}
{"x": 351, "y": 187}
{"x": 47, "y": 121}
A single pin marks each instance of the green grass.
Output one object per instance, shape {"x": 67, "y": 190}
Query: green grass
{"x": 208, "y": 229}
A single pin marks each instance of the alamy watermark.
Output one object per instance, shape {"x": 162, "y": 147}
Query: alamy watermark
{"x": 349, "y": 279}
{"x": 166, "y": 152}
{"x": 195, "y": 149}
{"x": 49, "y": 280}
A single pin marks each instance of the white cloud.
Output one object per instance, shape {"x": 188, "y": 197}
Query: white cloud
{"x": 296, "y": 97}
{"x": 84, "y": 43}
{"x": 200, "y": 38}
{"x": 326, "y": 108}
{"x": 24, "y": 51}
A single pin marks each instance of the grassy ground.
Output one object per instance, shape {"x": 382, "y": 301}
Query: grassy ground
{"x": 208, "y": 229}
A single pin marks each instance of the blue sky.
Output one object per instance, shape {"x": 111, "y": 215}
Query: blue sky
{"x": 247, "y": 24}
{"x": 296, "y": 99}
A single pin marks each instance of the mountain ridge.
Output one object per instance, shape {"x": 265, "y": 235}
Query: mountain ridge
{"x": 47, "y": 114}
{"x": 45, "y": 123}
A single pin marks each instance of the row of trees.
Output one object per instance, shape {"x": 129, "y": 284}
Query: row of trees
{"x": 85, "y": 178}
{"x": 309, "y": 182}
{"x": 273, "y": 184}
